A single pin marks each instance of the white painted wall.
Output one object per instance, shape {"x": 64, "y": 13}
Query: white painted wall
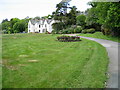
{"x": 43, "y": 27}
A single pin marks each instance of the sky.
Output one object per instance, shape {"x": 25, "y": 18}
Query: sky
{"x": 32, "y": 8}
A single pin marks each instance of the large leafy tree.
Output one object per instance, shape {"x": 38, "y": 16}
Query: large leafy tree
{"x": 5, "y": 20}
{"x": 60, "y": 16}
{"x": 14, "y": 25}
{"x": 105, "y": 14}
{"x": 81, "y": 20}
{"x": 64, "y": 19}
{"x": 12, "y": 22}
{"x": 6, "y": 27}
{"x": 72, "y": 16}
{"x": 112, "y": 21}
{"x": 20, "y": 26}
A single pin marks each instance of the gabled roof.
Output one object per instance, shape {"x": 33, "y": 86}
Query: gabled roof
{"x": 49, "y": 21}
{"x": 41, "y": 21}
{"x": 34, "y": 21}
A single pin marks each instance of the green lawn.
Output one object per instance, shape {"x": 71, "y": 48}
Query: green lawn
{"x": 101, "y": 36}
{"x": 39, "y": 61}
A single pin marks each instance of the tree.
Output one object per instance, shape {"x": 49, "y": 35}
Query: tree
{"x": 6, "y": 27}
{"x": 60, "y": 16}
{"x": 91, "y": 17}
{"x": 105, "y": 14}
{"x": 72, "y": 16}
{"x": 110, "y": 18}
{"x": 12, "y": 22}
{"x": 5, "y": 20}
{"x": 81, "y": 20}
{"x": 64, "y": 19}
{"x": 58, "y": 26}
{"x": 15, "y": 25}
{"x": 20, "y": 26}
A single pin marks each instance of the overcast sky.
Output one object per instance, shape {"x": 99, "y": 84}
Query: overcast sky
{"x": 23, "y": 8}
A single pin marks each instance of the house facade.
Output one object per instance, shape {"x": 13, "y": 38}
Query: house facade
{"x": 40, "y": 26}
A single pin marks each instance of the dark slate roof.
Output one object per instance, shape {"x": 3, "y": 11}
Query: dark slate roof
{"x": 41, "y": 21}
{"x": 49, "y": 21}
{"x": 34, "y": 21}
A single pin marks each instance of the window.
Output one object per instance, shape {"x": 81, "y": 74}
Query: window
{"x": 39, "y": 26}
{"x": 45, "y": 25}
{"x": 39, "y": 30}
{"x": 43, "y": 30}
{"x": 29, "y": 30}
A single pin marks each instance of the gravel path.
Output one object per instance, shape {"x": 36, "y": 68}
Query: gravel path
{"x": 112, "y": 49}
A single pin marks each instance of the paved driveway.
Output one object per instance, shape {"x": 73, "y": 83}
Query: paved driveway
{"x": 112, "y": 49}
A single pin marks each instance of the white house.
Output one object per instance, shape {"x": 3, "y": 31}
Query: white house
{"x": 40, "y": 26}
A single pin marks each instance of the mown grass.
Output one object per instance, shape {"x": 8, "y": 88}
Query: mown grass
{"x": 56, "y": 64}
{"x": 0, "y": 61}
{"x": 101, "y": 36}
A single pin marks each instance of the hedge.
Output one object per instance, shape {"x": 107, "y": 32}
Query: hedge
{"x": 92, "y": 30}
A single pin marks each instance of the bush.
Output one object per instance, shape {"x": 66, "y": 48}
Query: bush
{"x": 54, "y": 32}
{"x": 78, "y": 30}
{"x": 64, "y": 31}
{"x": 92, "y": 30}
{"x": 105, "y": 30}
{"x": 84, "y": 31}
{"x": 68, "y": 38}
{"x": 68, "y": 31}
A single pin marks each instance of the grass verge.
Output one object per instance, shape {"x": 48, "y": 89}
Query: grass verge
{"x": 39, "y": 61}
{"x": 101, "y": 36}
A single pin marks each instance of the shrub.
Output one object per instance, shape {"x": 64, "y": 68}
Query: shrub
{"x": 54, "y": 32}
{"x": 60, "y": 32}
{"x": 78, "y": 30}
{"x": 68, "y": 38}
{"x": 64, "y": 31}
{"x": 46, "y": 32}
{"x": 92, "y": 30}
{"x": 70, "y": 30}
{"x": 67, "y": 31}
{"x": 84, "y": 31}
{"x": 105, "y": 30}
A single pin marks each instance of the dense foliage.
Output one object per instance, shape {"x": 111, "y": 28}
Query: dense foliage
{"x": 102, "y": 16}
{"x": 81, "y": 20}
{"x": 65, "y": 20}
{"x": 15, "y": 25}
{"x": 92, "y": 30}
{"x": 105, "y": 14}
